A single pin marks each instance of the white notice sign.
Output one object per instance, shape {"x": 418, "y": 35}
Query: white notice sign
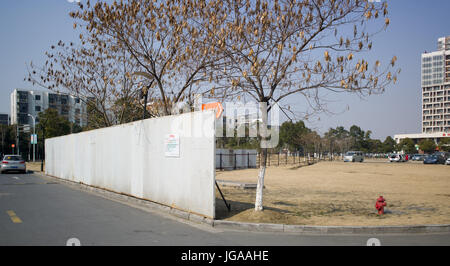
{"x": 172, "y": 145}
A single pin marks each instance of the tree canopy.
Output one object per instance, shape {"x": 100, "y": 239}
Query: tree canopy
{"x": 52, "y": 124}
{"x": 427, "y": 145}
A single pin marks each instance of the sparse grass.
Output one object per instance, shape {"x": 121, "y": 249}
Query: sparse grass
{"x": 337, "y": 193}
{"x": 35, "y": 167}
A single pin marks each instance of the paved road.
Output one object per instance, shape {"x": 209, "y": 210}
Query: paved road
{"x": 40, "y": 211}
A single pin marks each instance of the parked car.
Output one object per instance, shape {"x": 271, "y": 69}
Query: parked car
{"x": 418, "y": 157}
{"x": 396, "y": 158}
{"x": 13, "y": 163}
{"x": 434, "y": 159}
{"x": 447, "y": 162}
{"x": 354, "y": 156}
{"x": 444, "y": 154}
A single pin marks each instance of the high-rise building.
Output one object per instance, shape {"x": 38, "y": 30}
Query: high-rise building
{"x": 24, "y": 102}
{"x": 436, "y": 89}
{"x": 4, "y": 119}
{"x": 435, "y": 94}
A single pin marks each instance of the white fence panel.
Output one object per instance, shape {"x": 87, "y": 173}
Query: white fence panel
{"x": 132, "y": 159}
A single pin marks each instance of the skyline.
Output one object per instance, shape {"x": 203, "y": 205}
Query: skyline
{"x": 31, "y": 28}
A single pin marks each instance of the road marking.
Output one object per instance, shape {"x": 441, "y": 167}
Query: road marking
{"x": 14, "y": 218}
{"x": 15, "y": 177}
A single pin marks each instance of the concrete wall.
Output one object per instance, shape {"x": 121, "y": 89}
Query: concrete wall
{"x": 131, "y": 159}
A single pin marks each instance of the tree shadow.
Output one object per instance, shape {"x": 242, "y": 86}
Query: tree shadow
{"x": 237, "y": 207}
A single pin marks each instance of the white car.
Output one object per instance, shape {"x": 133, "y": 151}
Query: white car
{"x": 397, "y": 158}
{"x": 13, "y": 163}
{"x": 354, "y": 156}
{"x": 447, "y": 162}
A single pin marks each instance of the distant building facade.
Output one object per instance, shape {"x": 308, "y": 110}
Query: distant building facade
{"x": 4, "y": 119}
{"x": 24, "y": 102}
{"x": 436, "y": 89}
{"x": 435, "y": 86}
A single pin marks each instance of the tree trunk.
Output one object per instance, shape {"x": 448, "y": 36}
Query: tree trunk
{"x": 260, "y": 185}
{"x": 262, "y": 167}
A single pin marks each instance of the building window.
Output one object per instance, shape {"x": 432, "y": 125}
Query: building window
{"x": 23, "y": 96}
{"x": 64, "y": 100}
{"x": 53, "y": 98}
{"x": 37, "y": 97}
{"x": 23, "y": 119}
{"x": 37, "y": 108}
{"x": 23, "y": 108}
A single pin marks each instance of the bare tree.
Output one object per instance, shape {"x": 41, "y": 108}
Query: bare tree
{"x": 278, "y": 49}
{"x": 99, "y": 76}
{"x": 161, "y": 39}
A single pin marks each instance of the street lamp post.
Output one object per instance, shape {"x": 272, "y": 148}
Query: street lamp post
{"x": 34, "y": 136}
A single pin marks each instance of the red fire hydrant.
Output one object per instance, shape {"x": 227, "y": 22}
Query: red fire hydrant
{"x": 381, "y": 203}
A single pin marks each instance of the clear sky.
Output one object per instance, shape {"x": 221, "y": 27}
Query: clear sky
{"x": 29, "y": 27}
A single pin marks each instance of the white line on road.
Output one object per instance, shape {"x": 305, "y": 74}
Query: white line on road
{"x": 15, "y": 177}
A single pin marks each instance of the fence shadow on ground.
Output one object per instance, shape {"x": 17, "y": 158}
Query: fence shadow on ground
{"x": 237, "y": 207}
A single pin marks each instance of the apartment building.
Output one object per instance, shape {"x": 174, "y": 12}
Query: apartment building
{"x": 435, "y": 86}
{"x": 436, "y": 89}
{"x": 25, "y": 102}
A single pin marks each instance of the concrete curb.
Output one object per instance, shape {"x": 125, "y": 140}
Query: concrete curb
{"x": 307, "y": 229}
{"x": 239, "y": 185}
{"x": 258, "y": 227}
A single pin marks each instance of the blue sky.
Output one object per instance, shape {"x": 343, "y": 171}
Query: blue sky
{"x": 29, "y": 27}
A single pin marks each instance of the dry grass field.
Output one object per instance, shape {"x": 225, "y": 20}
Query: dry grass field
{"x": 35, "y": 167}
{"x": 338, "y": 193}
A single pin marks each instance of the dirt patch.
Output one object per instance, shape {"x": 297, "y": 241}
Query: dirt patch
{"x": 35, "y": 167}
{"x": 337, "y": 193}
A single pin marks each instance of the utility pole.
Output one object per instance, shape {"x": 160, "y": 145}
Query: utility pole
{"x": 34, "y": 137}
{"x": 3, "y": 139}
{"x": 43, "y": 124}
{"x": 17, "y": 138}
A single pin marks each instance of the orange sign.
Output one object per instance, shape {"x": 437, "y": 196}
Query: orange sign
{"x": 218, "y": 106}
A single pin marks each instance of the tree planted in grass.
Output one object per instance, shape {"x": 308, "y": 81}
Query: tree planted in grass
{"x": 277, "y": 49}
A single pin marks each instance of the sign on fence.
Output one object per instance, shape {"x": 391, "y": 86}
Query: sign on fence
{"x": 172, "y": 145}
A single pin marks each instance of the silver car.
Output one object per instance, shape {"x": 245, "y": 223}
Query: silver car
{"x": 354, "y": 156}
{"x": 13, "y": 163}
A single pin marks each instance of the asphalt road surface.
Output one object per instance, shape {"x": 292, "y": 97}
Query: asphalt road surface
{"x": 40, "y": 211}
